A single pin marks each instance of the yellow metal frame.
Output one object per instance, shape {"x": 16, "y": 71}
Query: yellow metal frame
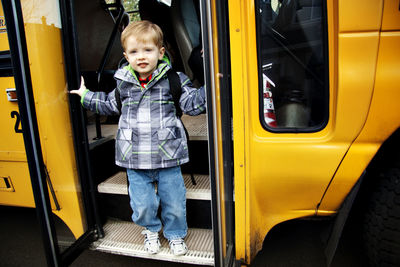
{"x": 384, "y": 111}
{"x": 13, "y": 164}
{"x": 46, "y": 58}
{"x": 279, "y": 177}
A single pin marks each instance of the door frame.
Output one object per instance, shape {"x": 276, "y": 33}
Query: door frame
{"x": 215, "y": 22}
{"x": 23, "y": 83}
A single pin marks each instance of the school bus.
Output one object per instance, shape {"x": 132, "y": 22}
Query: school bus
{"x": 302, "y": 122}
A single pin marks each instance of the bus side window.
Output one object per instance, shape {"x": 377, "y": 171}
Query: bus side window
{"x": 293, "y": 67}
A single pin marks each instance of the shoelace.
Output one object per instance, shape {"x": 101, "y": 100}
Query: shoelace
{"x": 150, "y": 236}
{"x": 176, "y": 242}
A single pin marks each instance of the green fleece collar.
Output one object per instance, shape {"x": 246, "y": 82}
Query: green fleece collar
{"x": 158, "y": 72}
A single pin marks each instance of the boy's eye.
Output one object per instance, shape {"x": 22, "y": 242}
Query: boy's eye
{"x": 149, "y": 49}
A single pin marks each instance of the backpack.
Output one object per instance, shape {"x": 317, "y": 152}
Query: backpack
{"x": 176, "y": 91}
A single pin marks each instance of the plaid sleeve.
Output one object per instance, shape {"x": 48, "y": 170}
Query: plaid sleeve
{"x": 193, "y": 100}
{"x": 100, "y": 102}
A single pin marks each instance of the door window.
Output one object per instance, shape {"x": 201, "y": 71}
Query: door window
{"x": 293, "y": 64}
{"x": 5, "y": 64}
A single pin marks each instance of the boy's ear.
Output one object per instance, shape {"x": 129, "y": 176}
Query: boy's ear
{"x": 162, "y": 52}
{"x": 126, "y": 57}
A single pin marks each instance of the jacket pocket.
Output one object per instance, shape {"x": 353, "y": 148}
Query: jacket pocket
{"x": 171, "y": 143}
{"x": 124, "y": 144}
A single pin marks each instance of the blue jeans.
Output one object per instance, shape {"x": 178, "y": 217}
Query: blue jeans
{"x": 171, "y": 194}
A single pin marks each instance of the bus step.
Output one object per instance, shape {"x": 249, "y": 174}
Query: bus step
{"x": 196, "y": 126}
{"x": 125, "y": 238}
{"x": 117, "y": 184}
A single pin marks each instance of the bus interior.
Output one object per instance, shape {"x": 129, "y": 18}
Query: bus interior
{"x": 98, "y": 26}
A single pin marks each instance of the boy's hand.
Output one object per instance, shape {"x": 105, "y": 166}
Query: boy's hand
{"x": 80, "y": 90}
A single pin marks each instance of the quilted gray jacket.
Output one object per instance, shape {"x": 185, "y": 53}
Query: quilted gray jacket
{"x": 150, "y": 136}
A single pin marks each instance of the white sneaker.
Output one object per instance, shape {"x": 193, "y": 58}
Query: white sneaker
{"x": 151, "y": 242}
{"x": 178, "y": 247}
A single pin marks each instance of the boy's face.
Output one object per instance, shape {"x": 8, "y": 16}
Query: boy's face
{"x": 142, "y": 56}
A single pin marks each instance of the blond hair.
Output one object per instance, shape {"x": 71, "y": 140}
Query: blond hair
{"x": 143, "y": 31}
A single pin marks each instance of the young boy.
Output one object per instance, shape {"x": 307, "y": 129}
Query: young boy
{"x": 151, "y": 141}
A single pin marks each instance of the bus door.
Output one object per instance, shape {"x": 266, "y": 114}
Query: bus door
{"x": 215, "y": 35}
{"x": 62, "y": 198}
{"x": 13, "y": 165}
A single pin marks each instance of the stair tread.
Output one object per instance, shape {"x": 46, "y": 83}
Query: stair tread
{"x": 196, "y": 126}
{"x": 125, "y": 238}
{"x": 117, "y": 184}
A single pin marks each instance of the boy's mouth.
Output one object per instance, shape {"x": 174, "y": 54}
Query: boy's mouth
{"x": 142, "y": 65}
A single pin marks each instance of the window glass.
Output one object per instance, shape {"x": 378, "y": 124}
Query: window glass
{"x": 132, "y": 8}
{"x": 293, "y": 69}
{"x": 6, "y": 69}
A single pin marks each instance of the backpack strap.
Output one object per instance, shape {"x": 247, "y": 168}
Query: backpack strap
{"x": 176, "y": 92}
{"x": 118, "y": 99}
{"x": 175, "y": 89}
